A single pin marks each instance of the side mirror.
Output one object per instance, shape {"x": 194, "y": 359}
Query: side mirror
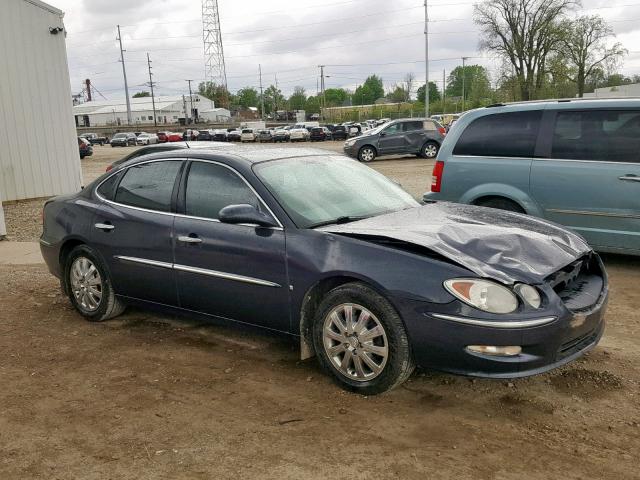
{"x": 244, "y": 213}
{"x": 383, "y": 134}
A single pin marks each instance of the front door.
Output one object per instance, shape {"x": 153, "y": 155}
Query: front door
{"x": 232, "y": 271}
{"x": 591, "y": 182}
{"x": 133, "y": 228}
{"x": 391, "y": 139}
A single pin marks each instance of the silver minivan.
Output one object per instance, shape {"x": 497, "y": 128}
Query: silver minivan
{"x": 573, "y": 162}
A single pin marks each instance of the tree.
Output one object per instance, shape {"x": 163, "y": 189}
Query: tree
{"x": 218, "y": 93}
{"x": 298, "y": 99}
{"x": 476, "y": 83}
{"x": 247, "y": 97}
{"x": 335, "y": 97}
{"x": 585, "y": 49}
{"x": 398, "y": 94}
{"x": 312, "y": 105}
{"x": 273, "y": 99}
{"x": 434, "y": 94}
{"x": 409, "y": 78}
{"x": 525, "y": 32}
{"x": 371, "y": 90}
{"x": 141, "y": 94}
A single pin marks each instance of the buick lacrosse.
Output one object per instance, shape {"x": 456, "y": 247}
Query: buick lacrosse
{"x": 321, "y": 247}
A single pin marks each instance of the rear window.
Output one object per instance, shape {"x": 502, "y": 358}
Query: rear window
{"x": 247, "y": 130}
{"x": 603, "y": 135}
{"x": 510, "y": 134}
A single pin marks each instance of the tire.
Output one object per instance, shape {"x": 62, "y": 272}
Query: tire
{"x": 81, "y": 293}
{"x": 429, "y": 150}
{"x": 501, "y": 204}
{"x": 394, "y": 360}
{"x": 367, "y": 154}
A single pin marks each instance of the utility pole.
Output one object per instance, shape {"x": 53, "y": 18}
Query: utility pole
{"x": 191, "y": 101}
{"x": 426, "y": 60}
{"x": 261, "y": 93}
{"x": 324, "y": 99}
{"x": 464, "y": 77}
{"x": 124, "y": 74}
{"x": 153, "y": 98}
{"x": 444, "y": 91}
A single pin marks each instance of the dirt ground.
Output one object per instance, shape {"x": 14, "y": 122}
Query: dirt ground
{"x": 148, "y": 396}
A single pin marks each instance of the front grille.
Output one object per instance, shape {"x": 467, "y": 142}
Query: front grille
{"x": 580, "y": 284}
{"x": 577, "y": 344}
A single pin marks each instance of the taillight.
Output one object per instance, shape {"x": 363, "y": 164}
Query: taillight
{"x": 442, "y": 130}
{"x": 436, "y": 176}
{"x": 109, "y": 168}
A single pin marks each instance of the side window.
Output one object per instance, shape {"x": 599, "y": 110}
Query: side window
{"x": 416, "y": 125}
{"x": 108, "y": 188}
{"x": 211, "y": 187}
{"x": 149, "y": 185}
{"x": 510, "y": 134}
{"x": 393, "y": 129}
{"x": 602, "y": 135}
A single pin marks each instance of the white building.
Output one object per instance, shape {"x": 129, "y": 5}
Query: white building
{"x": 169, "y": 109}
{"x": 216, "y": 115}
{"x": 38, "y": 145}
{"x": 621, "y": 91}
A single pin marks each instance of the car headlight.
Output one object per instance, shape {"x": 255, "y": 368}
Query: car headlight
{"x": 483, "y": 294}
{"x": 529, "y": 294}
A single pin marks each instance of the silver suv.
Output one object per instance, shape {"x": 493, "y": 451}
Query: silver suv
{"x": 406, "y": 136}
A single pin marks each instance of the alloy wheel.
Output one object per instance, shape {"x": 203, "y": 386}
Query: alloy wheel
{"x": 430, "y": 150}
{"x": 355, "y": 342}
{"x": 367, "y": 154}
{"x": 86, "y": 284}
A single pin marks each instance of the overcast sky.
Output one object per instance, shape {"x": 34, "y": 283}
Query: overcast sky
{"x": 289, "y": 39}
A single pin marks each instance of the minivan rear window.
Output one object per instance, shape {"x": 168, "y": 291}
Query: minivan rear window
{"x": 511, "y": 134}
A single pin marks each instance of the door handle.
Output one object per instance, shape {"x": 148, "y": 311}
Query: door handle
{"x": 186, "y": 239}
{"x": 630, "y": 178}
{"x": 104, "y": 226}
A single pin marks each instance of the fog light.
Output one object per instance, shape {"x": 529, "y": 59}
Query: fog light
{"x": 509, "y": 351}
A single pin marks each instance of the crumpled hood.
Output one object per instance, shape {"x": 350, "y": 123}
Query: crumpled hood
{"x": 505, "y": 246}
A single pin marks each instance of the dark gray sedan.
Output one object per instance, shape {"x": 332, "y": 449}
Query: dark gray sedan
{"x": 316, "y": 246}
{"x": 412, "y": 136}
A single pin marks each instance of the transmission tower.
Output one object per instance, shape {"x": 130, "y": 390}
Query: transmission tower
{"x": 214, "y": 69}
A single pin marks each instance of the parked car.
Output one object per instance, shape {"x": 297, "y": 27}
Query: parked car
{"x": 319, "y": 134}
{"x": 174, "y": 137}
{"x": 234, "y": 135}
{"x": 190, "y": 134}
{"x": 576, "y": 163}
{"x": 205, "y": 135}
{"x": 265, "y": 135}
{"x": 85, "y": 148}
{"x": 146, "y": 139}
{"x": 281, "y": 135}
{"x": 299, "y": 134}
{"x": 94, "y": 139}
{"x": 123, "y": 140}
{"x": 248, "y": 135}
{"x": 339, "y": 132}
{"x": 325, "y": 249}
{"x": 162, "y": 137}
{"x": 407, "y": 136}
{"x": 220, "y": 135}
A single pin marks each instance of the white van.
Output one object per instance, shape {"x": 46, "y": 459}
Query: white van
{"x": 248, "y": 135}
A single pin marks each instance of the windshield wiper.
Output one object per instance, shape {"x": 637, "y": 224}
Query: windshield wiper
{"x": 338, "y": 221}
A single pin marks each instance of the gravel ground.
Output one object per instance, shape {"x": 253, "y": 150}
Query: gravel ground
{"x": 24, "y": 218}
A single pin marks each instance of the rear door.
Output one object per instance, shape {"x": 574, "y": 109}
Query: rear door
{"x": 492, "y": 158}
{"x": 416, "y": 134}
{"x": 232, "y": 271}
{"x": 591, "y": 180}
{"x": 133, "y": 230}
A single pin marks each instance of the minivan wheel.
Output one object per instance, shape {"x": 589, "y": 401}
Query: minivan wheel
{"x": 501, "y": 204}
{"x": 429, "y": 150}
{"x": 88, "y": 286}
{"x": 367, "y": 154}
{"x": 360, "y": 340}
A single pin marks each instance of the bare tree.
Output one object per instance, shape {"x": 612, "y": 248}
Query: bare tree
{"x": 524, "y": 32}
{"x": 408, "y": 85}
{"x": 584, "y": 45}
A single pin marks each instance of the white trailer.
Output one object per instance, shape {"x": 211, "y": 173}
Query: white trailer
{"x": 39, "y": 154}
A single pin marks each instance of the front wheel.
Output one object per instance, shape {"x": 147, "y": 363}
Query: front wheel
{"x": 88, "y": 286}
{"x": 366, "y": 154}
{"x": 429, "y": 150}
{"x": 361, "y": 341}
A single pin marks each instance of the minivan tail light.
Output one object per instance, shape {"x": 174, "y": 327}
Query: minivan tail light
{"x": 436, "y": 176}
{"x": 442, "y": 130}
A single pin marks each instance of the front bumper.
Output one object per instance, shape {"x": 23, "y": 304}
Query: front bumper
{"x": 441, "y": 344}
{"x": 350, "y": 150}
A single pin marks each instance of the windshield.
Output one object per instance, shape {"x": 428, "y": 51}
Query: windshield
{"x": 321, "y": 190}
{"x": 120, "y": 135}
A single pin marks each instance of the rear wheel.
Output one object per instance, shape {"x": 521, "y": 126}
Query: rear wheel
{"x": 88, "y": 286}
{"x": 501, "y": 204}
{"x": 361, "y": 341}
{"x": 429, "y": 150}
{"x": 367, "y": 154}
